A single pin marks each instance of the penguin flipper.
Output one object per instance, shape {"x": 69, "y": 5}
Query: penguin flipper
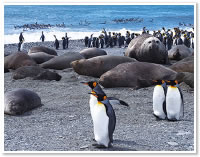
{"x": 112, "y": 120}
{"x": 182, "y": 105}
{"x": 121, "y": 102}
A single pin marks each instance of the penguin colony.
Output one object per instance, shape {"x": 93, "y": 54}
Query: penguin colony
{"x": 167, "y": 104}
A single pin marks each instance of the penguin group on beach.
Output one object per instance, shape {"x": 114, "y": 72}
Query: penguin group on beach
{"x": 167, "y": 104}
{"x": 168, "y": 101}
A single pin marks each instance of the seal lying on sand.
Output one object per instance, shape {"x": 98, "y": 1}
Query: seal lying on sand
{"x": 61, "y": 62}
{"x": 186, "y": 77}
{"x": 96, "y": 66}
{"x": 42, "y": 49}
{"x": 184, "y": 65}
{"x": 179, "y": 52}
{"x": 146, "y": 48}
{"x": 136, "y": 74}
{"x": 92, "y": 52}
{"x": 41, "y": 57}
{"x": 36, "y": 73}
{"x": 17, "y": 60}
{"x": 19, "y": 101}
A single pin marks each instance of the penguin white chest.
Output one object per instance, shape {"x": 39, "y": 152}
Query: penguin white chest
{"x": 93, "y": 101}
{"x": 158, "y": 100}
{"x": 173, "y": 103}
{"x": 101, "y": 122}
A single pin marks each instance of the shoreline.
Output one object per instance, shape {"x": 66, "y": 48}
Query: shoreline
{"x": 74, "y": 46}
{"x": 34, "y": 36}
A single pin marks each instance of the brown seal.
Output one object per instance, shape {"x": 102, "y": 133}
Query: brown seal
{"x": 41, "y": 57}
{"x": 61, "y": 62}
{"x": 147, "y": 48}
{"x": 96, "y": 66}
{"x": 186, "y": 77}
{"x": 16, "y": 60}
{"x": 92, "y": 52}
{"x": 36, "y": 73}
{"x": 184, "y": 65}
{"x": 18, "y": 101}
{"x": 136, "y": 74}
{"x": 42, "y": 49}
{"x": 178, "y": 52}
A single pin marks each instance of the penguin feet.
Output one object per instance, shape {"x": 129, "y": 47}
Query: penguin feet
{"x": 159, "y": 118}
{"x": 98, "y": 145}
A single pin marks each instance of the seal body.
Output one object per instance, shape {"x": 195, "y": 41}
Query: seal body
{"x": 61, "y": 62}
{"x": 18, "y": 59}
{"x": 186, "y": 77}
{"x": 41, "y": 57}
{"x": 96, "y": 66}
{"x": 135, "y": 74}
{"x": 179, "y": 52}
{"x": 184, "y": 65}
{"x": 92, "y": 52}
{"x": 42, "y": 49}
{"x": 18, "y": 101}
{"x": 35, "y": 72}
{"x": 147, "y": 48}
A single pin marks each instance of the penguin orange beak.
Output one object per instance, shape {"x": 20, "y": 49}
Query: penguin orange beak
{"x": 85, "y": 83}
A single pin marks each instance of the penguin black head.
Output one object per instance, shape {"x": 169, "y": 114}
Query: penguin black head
{"x": 172, "y": 82}
{"x": 91, "y": 84}
{"x": 158, "y": 82}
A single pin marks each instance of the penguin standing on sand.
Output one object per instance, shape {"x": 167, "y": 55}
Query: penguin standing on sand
{"x": 104, "y": 121}
{"x": 56, "y": 43}
{"x": 159, "y": 103}
{"x": 174, "y": 101}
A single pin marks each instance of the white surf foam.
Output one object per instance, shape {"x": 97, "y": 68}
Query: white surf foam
{"x": 34, "y": 36}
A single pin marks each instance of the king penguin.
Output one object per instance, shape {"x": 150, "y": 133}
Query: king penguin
{"x": 96, "y": 88}
{"x": 159, "y": 103}
{"x": 104, "y": 121}
{"x": 174, "y": 101}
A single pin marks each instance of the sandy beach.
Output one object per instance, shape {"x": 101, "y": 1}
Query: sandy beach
{"x": 64, "y": 122}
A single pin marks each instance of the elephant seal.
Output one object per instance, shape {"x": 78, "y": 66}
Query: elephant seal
{"x": 147, "y": 48}
{"x": 184, "y": 65}
{"x": 61, "y": 62}
{"x": 136, "y": 74}
{"x": 92, "y": 52}
{"x": 186, "y": 77}
{"x": 41, "y": 57}
{"x": 36, "y": 73}
{"x": 96, "y": 66}
{"x": 18, "y": 101}
{"x": 42, "y": 49}
{"x": 178, "y": 52}
{"x": 16, "y": 60}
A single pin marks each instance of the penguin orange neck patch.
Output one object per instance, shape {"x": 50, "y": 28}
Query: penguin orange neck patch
{"x": 99, "y": 103}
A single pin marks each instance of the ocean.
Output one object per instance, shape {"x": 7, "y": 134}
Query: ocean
{"x": 82, "y": 20}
